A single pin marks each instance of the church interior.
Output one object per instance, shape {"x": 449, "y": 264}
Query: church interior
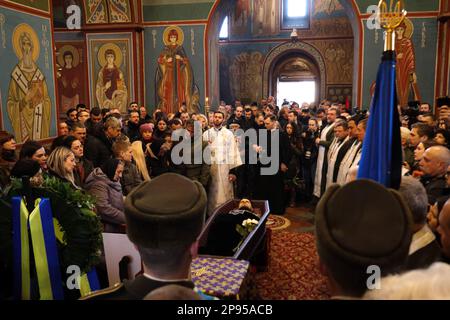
{"x": 92, "y": 93}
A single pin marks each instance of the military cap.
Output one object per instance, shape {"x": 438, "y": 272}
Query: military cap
{"x": 166, "y": 211}
{"x": 361, "y": 224}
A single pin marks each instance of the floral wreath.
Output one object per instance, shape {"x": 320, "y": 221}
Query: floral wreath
{"x": 77, "y": 227}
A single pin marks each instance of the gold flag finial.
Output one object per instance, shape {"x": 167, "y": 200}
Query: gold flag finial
{"x": 390, "y": 18}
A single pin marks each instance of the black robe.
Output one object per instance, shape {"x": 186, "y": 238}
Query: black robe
{"x": 271, "y": 187}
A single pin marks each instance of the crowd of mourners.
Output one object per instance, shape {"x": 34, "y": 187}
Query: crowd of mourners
{"x": 108, "y": 154}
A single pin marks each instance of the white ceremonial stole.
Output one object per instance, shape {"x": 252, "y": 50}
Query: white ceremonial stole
{"x": 347, "y": 163}
{"x": 38, "y": 79}
{"x": 224, "y": 157}
{"x": 355, "y": 162}
{"x": 20, "y": 79}
{"x": 421, "y": 239}
{"x": 24, "y": 85}
{"x": 320, "y": 160}
{"x": 332, "y": 157}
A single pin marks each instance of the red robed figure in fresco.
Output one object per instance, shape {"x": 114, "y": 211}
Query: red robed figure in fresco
{"x": 175, "y": 79}
{"x": 406, "y": 67}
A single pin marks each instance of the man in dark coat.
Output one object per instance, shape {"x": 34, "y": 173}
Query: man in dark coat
{"x": 165, "y": 235}
{"x": 434, "y": 164}
{"x": 270, "y": 185}
{"x": 99, "y": 149}
{"x": 132, "y": 128}
{"x": 424, "y": 249}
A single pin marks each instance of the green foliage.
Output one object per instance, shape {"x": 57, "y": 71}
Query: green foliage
{"x": 244, "y": 230}
{"x": 73, "y": 209}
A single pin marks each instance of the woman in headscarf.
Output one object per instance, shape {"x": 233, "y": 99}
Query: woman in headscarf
{"x": 104, "y": 184}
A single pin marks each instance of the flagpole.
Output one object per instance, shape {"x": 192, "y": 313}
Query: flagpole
{"x": 390, "y": 18}
{"x": 381, "y": 156}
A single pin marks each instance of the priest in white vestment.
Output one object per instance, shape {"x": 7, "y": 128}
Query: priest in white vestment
{"x": 352, "y": 161}
{"x": 348, "y": 162}
{"x": 324, "y": 142}
{"x": 341, "y": 137}
{"x": 224, "y": 157}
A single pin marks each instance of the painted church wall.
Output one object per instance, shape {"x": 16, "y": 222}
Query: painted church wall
{"x": 242, "y": 55}
{"x": 194, "y": 51}
{"x": 72, "y": 80}
{"x": 424, "y": 39}
{"x": 27, "y": 96}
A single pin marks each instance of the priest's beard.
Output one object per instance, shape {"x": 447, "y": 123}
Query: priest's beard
{"x": 27, "y": 61}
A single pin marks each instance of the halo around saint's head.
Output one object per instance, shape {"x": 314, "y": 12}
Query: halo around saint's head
{"x": 409, "y": 28}
{"x": 110, "y": 46}
{"x": 71, "y": 49}
{"x": 173, "y": 29}
{"x": 21, "y": 30}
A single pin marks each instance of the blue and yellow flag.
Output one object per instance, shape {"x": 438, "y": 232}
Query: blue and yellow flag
{"x": 381, "y": 158}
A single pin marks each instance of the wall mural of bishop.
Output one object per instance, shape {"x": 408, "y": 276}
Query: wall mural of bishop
{"x": 28, "y": 105}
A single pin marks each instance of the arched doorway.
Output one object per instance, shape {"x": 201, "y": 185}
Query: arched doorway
{"x": 297, "y": 60}
{"x": 295, "y": 78}
{"x": 213, "y": 63}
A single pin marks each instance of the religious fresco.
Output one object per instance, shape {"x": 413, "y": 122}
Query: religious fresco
{"x": 418, "y": 41}
{"x": 338, "y": 56}
{"x": 158, "y": 50}
{"x": 246, "y": 81}
{"x": 407, "y": 88}
{"x": 107, "y": 11}
{"x": 255, "y": 18}
{"x": 119, "y": 11}
{"x": 340, "y": 94}
{"x": 28, "y": 94}
{"x": 266, "y": 17}
{"x": 42, "y": 5}
{"x": 174, "y": 77}
{"x": 110, "y": 71}
{"x": 96, "y": 11}
{"x": 240, "y": 17}
{"x": 326, "y": 7}
{"x": 71, "y": 74}
{"x": 334, "y": 27}
{"x": 262, "y": 18}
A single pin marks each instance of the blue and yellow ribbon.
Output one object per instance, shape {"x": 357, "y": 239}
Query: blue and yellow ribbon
{"x": 40, "y": 224}
{"x": 88, "y": 283}
{"x": 45, "y": 251}
{"x": 44, "y": 231}
{"x": 21, "y": 249}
